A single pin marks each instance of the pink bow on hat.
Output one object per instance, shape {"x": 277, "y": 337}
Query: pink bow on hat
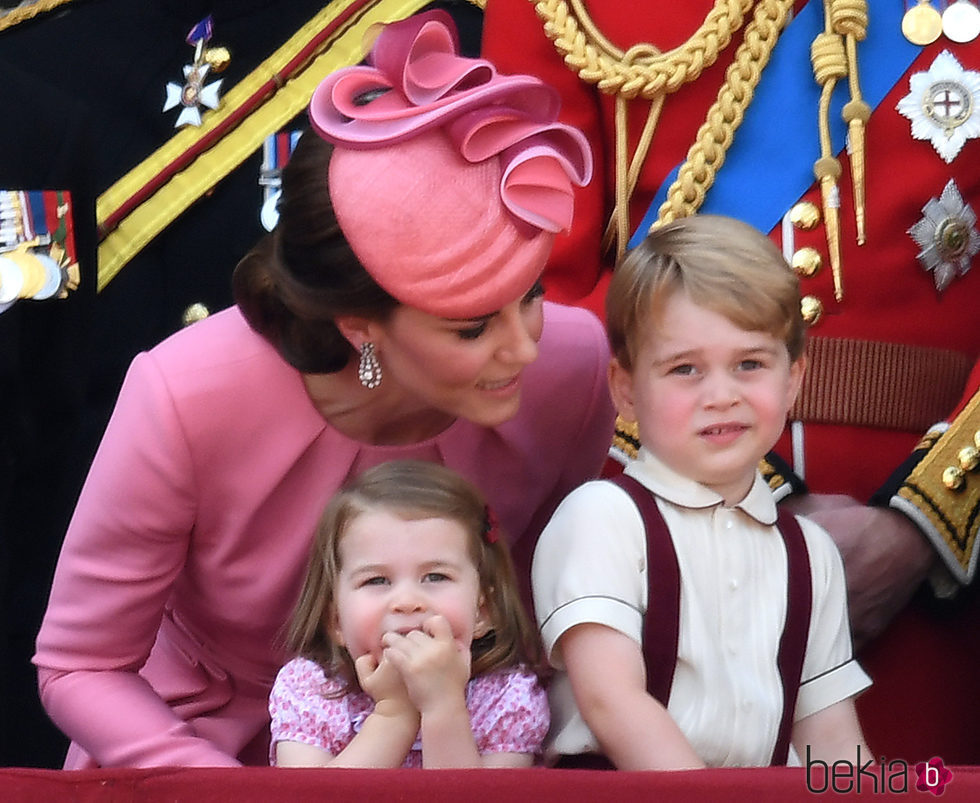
{"x": 424, "y": 84}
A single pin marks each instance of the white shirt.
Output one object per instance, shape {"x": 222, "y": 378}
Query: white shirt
{"x": 590, "y": 566}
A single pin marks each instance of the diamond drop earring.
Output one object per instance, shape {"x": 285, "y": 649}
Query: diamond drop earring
{"x": 369, "y": 369}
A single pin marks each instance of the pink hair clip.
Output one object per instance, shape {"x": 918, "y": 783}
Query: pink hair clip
{"x": 491, "y": 527}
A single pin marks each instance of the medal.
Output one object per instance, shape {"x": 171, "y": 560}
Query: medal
{"x": 922, "y": 23}
{"x": 961, "y": 21}
{"x": 37, "y": 246}
{"x": 947, "y": 235}
{"x": 194, "y": 93}
{"x": 944, "y": 105}
{"x": 276, "y": 151}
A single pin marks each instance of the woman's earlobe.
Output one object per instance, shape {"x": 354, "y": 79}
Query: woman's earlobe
{"x": 355, "y": 329}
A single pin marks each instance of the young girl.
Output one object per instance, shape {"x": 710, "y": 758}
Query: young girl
{"x": 413, "y": 646}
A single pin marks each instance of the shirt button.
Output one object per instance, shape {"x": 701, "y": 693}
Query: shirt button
{"x": 733, "y": 584}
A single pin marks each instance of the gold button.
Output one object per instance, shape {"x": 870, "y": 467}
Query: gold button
{"x": 807, "y": 261}
{"x": 954, "y": 478}
{"x": 969, "y": 458}
{"x": 218, "y": 57}
{"x": 776, "y": 481}
{"x": 811, "y": 308}
{"x": 805, "y": 215}
{"x": 194, "y": 313}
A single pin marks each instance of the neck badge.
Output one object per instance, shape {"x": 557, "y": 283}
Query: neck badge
{"x": 944, "y": 105}
{"x": 194, "y": 93}
{"x": 947, "y": 235}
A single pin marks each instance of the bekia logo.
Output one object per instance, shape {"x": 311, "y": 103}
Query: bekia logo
{"x": 932, "y": 776}
{"x": 875, "y": 777}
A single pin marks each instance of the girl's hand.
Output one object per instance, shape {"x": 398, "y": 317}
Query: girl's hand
{"x": 383, "y": 682}
{"x": 433, "y": 665}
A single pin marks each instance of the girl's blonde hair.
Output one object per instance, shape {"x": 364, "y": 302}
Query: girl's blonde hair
{"x": 722, "y": 264}
{"x": 414, "y": 489}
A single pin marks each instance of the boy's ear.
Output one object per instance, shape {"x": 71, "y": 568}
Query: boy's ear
{"x": 621, "y": 390}
{"x": 796, "y": 372}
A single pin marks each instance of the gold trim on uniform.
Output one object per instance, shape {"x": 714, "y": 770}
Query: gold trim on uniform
{"x": 943, "y": 497}
{"x": 928, "y": 440}
{"x": 152, "y": 216}
{"x": 773, "y": 478}
{"x": 626, "y": 438}
{"x": 25, "y": 10}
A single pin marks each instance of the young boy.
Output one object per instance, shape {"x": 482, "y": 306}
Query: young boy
{"x": 749, "y": 619}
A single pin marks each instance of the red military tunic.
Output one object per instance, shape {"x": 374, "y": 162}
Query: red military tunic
{"x": 890, "y": 301}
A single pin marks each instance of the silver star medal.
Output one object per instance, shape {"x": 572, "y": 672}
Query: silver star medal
{"x": 947, "y": 235}
{"x": 944, "y": 105}
{"x": 193, "y": 93}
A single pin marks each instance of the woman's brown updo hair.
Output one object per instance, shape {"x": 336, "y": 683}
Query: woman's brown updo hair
{"x": 298, "y": 279}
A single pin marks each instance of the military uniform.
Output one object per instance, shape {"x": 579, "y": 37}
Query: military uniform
{"x": 88, "y": 90}
{"x": 888, "y": 359}
{"x": 44, "y": 361}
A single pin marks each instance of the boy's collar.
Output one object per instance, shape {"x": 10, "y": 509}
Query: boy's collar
{"x": 662, "y": 480}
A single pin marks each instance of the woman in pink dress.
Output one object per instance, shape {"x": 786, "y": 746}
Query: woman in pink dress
{"x": 396, "y": 312}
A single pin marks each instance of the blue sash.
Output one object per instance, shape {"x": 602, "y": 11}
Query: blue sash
{"x": 770, "y": 161}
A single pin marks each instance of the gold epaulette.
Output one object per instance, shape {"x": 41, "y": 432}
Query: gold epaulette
{"x": 9, "y": 17}
{"x": 775, "y": 479}
{"x": 150, "y": 197}
{"x": 942, "y": 494}
{"x": 626, "y": 440}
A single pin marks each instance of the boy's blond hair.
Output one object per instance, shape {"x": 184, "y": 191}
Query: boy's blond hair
{"x": 722, "y": 264}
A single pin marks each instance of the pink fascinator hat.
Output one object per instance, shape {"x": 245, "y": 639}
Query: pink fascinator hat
{"x": 449, "y": 180}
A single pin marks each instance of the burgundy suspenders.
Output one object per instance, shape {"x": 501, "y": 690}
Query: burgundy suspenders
{"x": 660, "y": 631}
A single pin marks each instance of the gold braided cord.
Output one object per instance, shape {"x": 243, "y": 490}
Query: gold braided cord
{"x": 829, "y": 65}
{"x": 642, "y": 71}
{"x": 850, "y": 19}
{"x": 707, "y": 154}
{"x": 834, "y": 56}
{"x": 597, "y": 61}
{"x": 26, "y": 11}
{"x": 617, "y": 229}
